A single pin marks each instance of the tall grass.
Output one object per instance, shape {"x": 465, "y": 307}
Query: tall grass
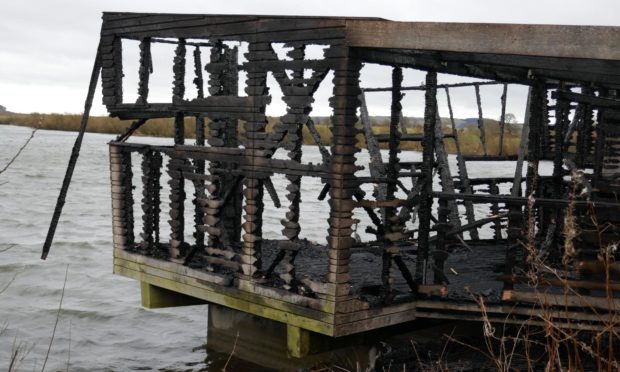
{"x": 469, "y": 137}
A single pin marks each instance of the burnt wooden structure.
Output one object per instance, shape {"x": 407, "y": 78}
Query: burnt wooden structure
{"x": 213, "y": 189}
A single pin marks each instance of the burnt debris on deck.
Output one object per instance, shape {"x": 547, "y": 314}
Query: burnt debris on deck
{"x": 427, "y": 258}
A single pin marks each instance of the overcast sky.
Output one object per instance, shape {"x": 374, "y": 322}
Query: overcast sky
{"x": 47, "y": 47}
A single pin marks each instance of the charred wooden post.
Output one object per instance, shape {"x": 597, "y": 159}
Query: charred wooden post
{"x": 377, "y": 167}
{"x": 178, "y": 69}
{"x": 199, "y": 185}
{"x": 426, "y": 200}
{"x": 111, "y": 79}
{"x": 525, "y": 135}
{"x": 462, "y": 170}
{"x": 502, "y": 120}
{"x": 515, "y": 241}
{"x": 393, "y": 224}
{"x": 584, "y": 144}
{"x": 561, "y": 120}
{"x": 198, "y": 79}
{"x": 177, "y": 198}
{"x": 497, "y": 225}
{"x": 212, "y": 204}
{"x": 146, "y": 69}
{"x": 122, "y": 201}
{"x": 222, "y": 207}
{"x": 554, "y": 227}
{"x": 298, "y": 97}
{"x": 151, "y": 173}
{"x": 445, "y": 175}
{"x": 440, "y": 253}
{"x": 481, "y": 128}
{"x": 537, "y": 118}
{"x": 223, "y": 81}
{"x": 344, "y": 104}
{"x": 251, "y": 259}
{"x": 297, "y": 106}
{"x": 176, "y": 166}
{"x": 112, "y": 62}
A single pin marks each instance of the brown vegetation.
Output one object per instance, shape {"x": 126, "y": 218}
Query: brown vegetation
{"x": 469, "y": 137}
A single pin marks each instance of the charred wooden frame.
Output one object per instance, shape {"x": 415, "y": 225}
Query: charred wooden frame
{"x": 229, "y": 262}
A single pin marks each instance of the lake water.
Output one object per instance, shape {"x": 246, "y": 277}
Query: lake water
{"x": 102, "y": 325}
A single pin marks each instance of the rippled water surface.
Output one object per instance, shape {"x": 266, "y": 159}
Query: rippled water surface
{"x": 101, "y": 325}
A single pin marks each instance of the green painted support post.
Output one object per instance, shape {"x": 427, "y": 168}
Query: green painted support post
{"x": 297, "y": 341}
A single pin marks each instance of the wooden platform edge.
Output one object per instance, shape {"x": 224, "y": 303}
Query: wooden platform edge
{"x": 236, "y": 303}
{"x": 178, "y": 278}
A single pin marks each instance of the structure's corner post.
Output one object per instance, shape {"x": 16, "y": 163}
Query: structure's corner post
{"x": 297, "y": 341}
{"x": 342, "y": 180}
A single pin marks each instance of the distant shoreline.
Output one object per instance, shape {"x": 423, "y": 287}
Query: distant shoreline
{"x": 468, "y": 137}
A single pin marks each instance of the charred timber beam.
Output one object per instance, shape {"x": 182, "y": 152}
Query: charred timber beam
{"x": 252, "y": 29}
{"x": 560, "y": 282}
{"x": 517, "y": 75}
{"x": 558, "y": 203}
{"x": 176, "y": 42}
{"x": 408, "y": 137}
{"x": 595, "y": 101}
{"x": 60, "y": 202}
{"x": 491, "y": 157}
{"x": 325, "y": 155}
{"x": 130, "y": 130}
{"x": 577, "y": 70}
{"x": 479, "y": 223}
{"x": 485, "y": 181}
{"x": 423, "y": 87}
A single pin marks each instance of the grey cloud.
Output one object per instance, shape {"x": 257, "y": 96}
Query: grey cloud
{"x": 48, "y": 46}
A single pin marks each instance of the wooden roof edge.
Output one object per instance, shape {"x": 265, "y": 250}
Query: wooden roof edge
{"x": 106, "y": 14}
{"x": 564, "y": 41}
